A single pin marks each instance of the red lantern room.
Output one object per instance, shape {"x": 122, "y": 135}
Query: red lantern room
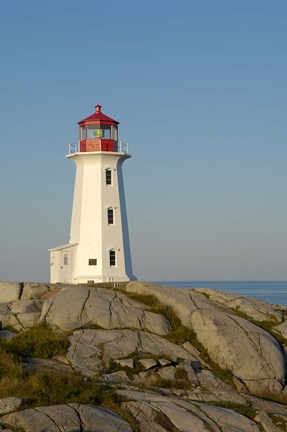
{"x": 98, "y": 133}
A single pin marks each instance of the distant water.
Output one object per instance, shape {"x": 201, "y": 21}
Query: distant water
{"x": 269, "y": 291}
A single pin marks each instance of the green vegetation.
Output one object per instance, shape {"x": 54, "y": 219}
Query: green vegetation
{"x": 41, "y": 387}
{"x": 279, "y": 422}
{"x": 246, "y": 410}
{"x": 108, "y": 285}
{"x": 180, "y": 334}
{"x": 172, "y": 384}
{"x": 180, "y": 374}
{"x": 38, "y": 341}
{"x": 267, "y": 325}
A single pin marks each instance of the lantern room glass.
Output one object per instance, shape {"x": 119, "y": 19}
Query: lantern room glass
{"x": 83, "y": 133}
{"x": 99, "y": 131}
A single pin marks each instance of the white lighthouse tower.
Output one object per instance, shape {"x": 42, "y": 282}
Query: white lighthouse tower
{"x": 99, "y": 249}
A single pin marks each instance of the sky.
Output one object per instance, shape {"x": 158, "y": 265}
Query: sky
{"x": 199, "y": 89}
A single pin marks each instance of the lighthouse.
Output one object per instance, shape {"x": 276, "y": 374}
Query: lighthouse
{"x": 99, "y": 249}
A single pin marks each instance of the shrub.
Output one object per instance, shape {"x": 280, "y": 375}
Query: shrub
{"x": 39, "y": 341}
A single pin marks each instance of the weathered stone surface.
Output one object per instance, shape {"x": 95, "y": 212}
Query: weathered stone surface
{"x": 10, "y": 404}
{"x": 74, "y": 307}
{"x": 148, "y": 363}
{"x": 164, "y": 362}
{"x": 68, "y": 418}
{"x": 20, "y": 314}
{"x": 91, "y": 350}
{"x": 228, "y": 420}
{"x": 167, "y": 373}
{"x": 209, "y": 381}
{"x": 47, "y": 364}
{"x": 252, "y": 354}
{"x": 24, "y": 313}
{"x": 4, "y": 314}
{"x": 203, "y": 394}
{"x": 197, "y": 361}
{"x": 118, "y": 377}
{"x": 10, "y": 291}
{"x": 183, "y": 301}
{"x": 266, "y": 405}
{"x": 7, "y": 335}
{"x": 190, "y": 373}
{"x": 266, "y": 422}
{"x": 155, "y": 413}
{"x": 125, "y": 363}
{"x": 281, "y": 329}
{"x": 32, "y": 290}
{"x": 256, "y": 309}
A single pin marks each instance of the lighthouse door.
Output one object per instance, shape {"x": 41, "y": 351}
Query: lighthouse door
{"x": 66, "y": 266}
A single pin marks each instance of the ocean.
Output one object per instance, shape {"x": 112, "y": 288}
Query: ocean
{"x": 269, "y": 291}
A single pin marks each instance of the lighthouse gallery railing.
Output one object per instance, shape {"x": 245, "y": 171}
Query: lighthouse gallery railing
{"x": 75, "y": 147}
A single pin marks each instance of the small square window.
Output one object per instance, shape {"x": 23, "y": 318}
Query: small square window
{"x": 93, "y": 261}
{"x": 112, "y": 258}
{"x": 110, "y": 216}
{"x": 65, "y": 259}
{"x": 108, "y": 177}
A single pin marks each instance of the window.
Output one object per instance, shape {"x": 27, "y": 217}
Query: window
{"x": 65, "y": 259}
{"x": 112, "y": 258}
{"x": 83, "y": 133}
{"x": 110, "y": 216}
{"x": 94, "y": 132}
{"x": 93, "y": 261}
{"x": 108, "y": 177}
{"x": 106, "y": 131}
{"x": 99, "y": 131}
{"x": 115, "y": 133}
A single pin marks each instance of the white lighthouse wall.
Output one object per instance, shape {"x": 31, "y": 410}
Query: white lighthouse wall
{"x": 61, "y": 263}
{"x": 124, "y": 220}
{"x": 54, "y": 266}
{"x": 89, "y": 225}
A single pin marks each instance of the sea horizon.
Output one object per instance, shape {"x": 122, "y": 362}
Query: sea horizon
{"x": 270, "y": 291}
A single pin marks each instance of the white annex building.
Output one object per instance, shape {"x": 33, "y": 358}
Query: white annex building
{"x": 99, "y": 249}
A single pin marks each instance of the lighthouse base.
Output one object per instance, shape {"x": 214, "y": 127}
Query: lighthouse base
{"x": 101, "y": 279}
{"x": 63, "y": 263}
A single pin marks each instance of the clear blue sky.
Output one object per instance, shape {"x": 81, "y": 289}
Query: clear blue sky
{"x": 199, "y": 87}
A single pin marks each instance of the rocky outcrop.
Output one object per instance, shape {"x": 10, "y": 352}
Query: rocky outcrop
{"x": 249, "y": 352}
{"x": 183, "y": 301}
{"x": 155, "y": 413}
{"x": 253, "y": 356}
{"x": 68, "y": 418}
{"x": 203, "y": 375}
{"x": 73, "y": 308}
{"x": 90, "y": 350}
{"x": 10, "y": 291}
{"x": 256, "y": 309}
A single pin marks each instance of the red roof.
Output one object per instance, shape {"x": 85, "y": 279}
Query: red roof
{"x": 98, "y": 116}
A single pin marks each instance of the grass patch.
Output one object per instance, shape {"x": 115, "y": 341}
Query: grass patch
{"x": 278, "y": 421}
{"x": 180, "y": 374}
{"x": 267, "y": 325}
{"x": 114, "y": 401}
{"x": 38, "y": 341}
{"x": 172, "y": 384}
{"x": 44, "y": 388}
{"x": 246, "y": 410}
{"x": 180, "y": 334}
